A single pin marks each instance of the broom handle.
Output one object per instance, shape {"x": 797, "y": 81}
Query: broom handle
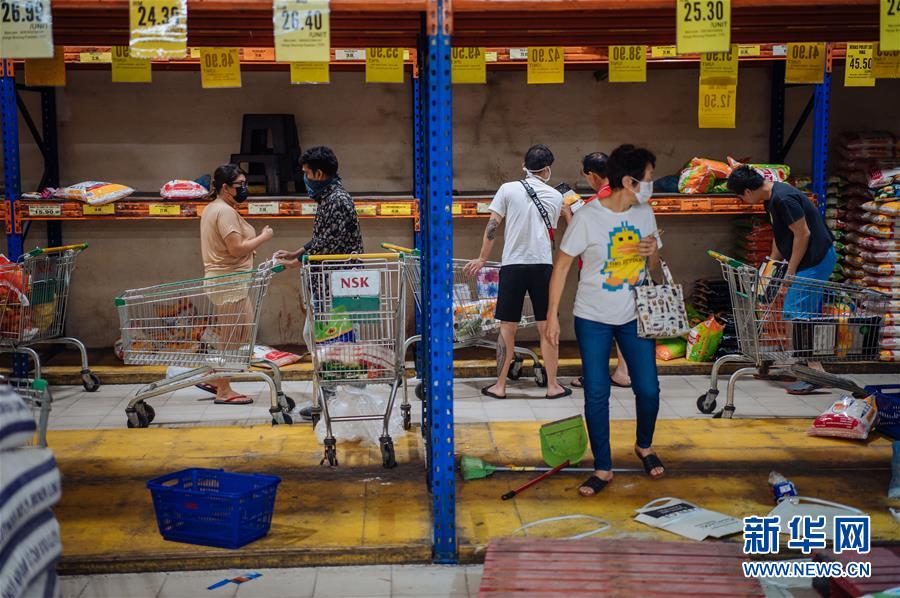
{"x": 534, "y": 481}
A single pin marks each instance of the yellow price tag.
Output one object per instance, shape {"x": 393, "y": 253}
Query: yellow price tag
{"x": 468, "y": 65}
{"x": 719, "y": 68}
{"x": 627, "y": 64}
{"x": 456, "y": 209}
{"x": 26, "y": 30}
{"x": 158, "y": 209}
{"x": 663, "y": 52}
{"x": 95, "y": 57}
{"x": 805, "y": 63}
{"x": 158, "y": 28}
{"x": 126, "y": 69}
{"x": 703, "y": 26}
{"x": 309, "y": 72}
{"x": 716, "y": 108}
{"x": 220, "y": 67}
{"x": 886, "y": 65}
{"x": 195, "y": 53}
{"x": 302, "y": 30}
{"x": 396, "y": 209}
{"x": 309, "y": 209}
{"x": 47, "y": 72}
{"x": 104, "y": 210}
{"x": 366, "y": 210}
{"x": 384, "y": 65}
{"x": 491, "y": 57}
{"x": 858, "y": 67}
{"x": 748, "y": 51}
{"x": 546, "y": 65}
{"x": 890, "y": 25}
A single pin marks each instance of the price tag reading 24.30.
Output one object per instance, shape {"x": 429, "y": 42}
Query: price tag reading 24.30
{"x": 220, "y": 67}
{"x": 158, "y": 28}
{"x": 302, "y": 30}
{"x": 703, "y": 26}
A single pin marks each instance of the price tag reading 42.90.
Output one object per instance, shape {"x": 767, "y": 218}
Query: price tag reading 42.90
{"x": 703, "y": 26}
{"x": 302, "y": 30}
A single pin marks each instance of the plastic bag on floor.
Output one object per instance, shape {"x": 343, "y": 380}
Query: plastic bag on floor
{"x": 350, "y": 400}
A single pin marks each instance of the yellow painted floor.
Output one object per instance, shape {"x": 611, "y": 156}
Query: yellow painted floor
{"x": 360, "y": 513}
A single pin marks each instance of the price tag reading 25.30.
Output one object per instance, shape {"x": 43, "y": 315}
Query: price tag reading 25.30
{"x": 158, "y": 28}
{"x": 302, "y": 30}
{"x": 703, "y": 26}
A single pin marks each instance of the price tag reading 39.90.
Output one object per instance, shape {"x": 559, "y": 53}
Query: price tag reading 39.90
{"x": 703, "y": 26}
{"x": 302, "y": 30}
{"x": 158, "y": 28}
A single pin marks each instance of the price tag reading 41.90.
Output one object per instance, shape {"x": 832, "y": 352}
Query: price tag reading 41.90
{"x": 158, "y": 28}
{"x": 302, "y": 30}
{"x": 703, "y": 26}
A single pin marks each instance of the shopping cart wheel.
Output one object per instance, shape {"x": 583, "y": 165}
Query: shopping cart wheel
{"x": 706, "y": 404}
{"x": 330, "y": 453}
{"x": 90, "y": 381}
{"x": 388, "y": 459}
{"x": 138, "y": 418}
{"x": 540, "y": 375}
{"x": 725, "y": 412}
{"x": 287, "y": 402}
{"x": 420, "y": 391}
{"x": 407, "y": 416}
{"x": 515, "y": 369}
{"x": 150, "y": 412}
{"x": 285, "y": 419}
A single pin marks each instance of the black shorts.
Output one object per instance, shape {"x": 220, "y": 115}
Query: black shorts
{"x": 515, "y": 281}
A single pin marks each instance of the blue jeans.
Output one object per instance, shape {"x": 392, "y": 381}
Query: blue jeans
{"x": 595, "y": 340}
{"x": 805, "y": 300}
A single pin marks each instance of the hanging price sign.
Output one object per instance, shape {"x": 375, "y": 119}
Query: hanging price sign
{"x": 858, "y": 68}
{"x": 886, "y": 65}
{"x": 717, "y": 106}
{"x": 805, "y": 63}
{"x": 220, "y": 67}
{"x": 468, "y": 65}
{"x": 663, "y": 52}
{"x": 26, "y": 29}
{"x": 47, "y": 72}
{"x": 890, "y": 25}
{"x": 719, "y": 67}
{"x": 126, "y": 69}
{"x": 546, "y": 65}
{"x": 309, "y": 72}
{"x": 158, "y": 28}
{"x": 703, "y": 26}
{"x": 384, "y": 65}
{"x": 627, "y": 64}
{"x": 302, "y": 30}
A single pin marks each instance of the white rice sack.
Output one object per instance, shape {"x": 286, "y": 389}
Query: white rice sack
{"x": 17, "y": 425}
{"x": 29, "y": 484}
{"x": 29, "y": 554}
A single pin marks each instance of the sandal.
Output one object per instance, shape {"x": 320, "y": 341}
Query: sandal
{"x": 210, "y": 388}
{"x": 577, "y": 382}
{"x": 487, "y": 392}
{"x": 652, "y": 462}
{"x": 234, "y": 400}
{"x": 566, "y": 392}
{"x": 595, "y": 485}
{"x": 802, "y": 388}
{"x": 619, "y": 384}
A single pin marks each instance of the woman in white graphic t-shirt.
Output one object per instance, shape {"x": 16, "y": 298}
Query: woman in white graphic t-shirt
{"x": 617, "y": 239}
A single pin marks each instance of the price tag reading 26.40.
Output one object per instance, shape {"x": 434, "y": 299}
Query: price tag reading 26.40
{"x": 703, "y": 26}
{"x": 158, "y": 28}
{"x": 302, "y": 30}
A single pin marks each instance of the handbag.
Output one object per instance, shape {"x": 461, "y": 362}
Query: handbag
{"x": 660, "y": 307}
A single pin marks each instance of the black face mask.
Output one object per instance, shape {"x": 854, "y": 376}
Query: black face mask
{"x": 241, "y": 193}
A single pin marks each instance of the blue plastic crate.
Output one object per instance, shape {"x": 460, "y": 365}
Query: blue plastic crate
{"x": 888, "y": 404}
{"x": 213, "y": 507}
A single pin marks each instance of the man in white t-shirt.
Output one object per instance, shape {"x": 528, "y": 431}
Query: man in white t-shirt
{"x": 530, "y": 209}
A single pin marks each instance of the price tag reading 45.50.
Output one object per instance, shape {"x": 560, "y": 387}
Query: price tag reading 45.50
{"x": 703, "y": 26}
{"x": 158, "y": 28}
{"x": 302, "y": 30}
{"x": 858, "y": 71}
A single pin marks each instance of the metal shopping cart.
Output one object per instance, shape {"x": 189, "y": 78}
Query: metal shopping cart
{"x": 785, "y": 321}
{"x": 36, "y": 394}
{"x": 356, "y": 316}
{"x": 34, "y": 294}
{"x": 474, "y": 299}
{"x": 207, "y": 324}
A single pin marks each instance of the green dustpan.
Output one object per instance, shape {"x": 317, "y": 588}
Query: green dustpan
{"x": 564, "y": 440}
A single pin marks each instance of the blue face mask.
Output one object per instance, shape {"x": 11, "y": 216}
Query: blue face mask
{"x": 314, "y": 188}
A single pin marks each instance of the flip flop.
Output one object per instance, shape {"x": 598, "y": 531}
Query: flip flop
{"x": 486, "y": 392}
{"x": 619, "y": 384}
{"x": 802, "y": 388}
{"x": 578, "y": 382}
{"x": 595, "y": 484}
{"x": 651, "y": 462}
{"x": 210, "y": 388}
{"x": 566, "y": 392}
{"x": 235, "y": 400}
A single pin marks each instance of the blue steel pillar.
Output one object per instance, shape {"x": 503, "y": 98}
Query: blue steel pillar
{"x": 419, "y": 180}
{"x": 11, "y": 174}
{"x": 437, "y": 278}
{"x": 820, "y": 139}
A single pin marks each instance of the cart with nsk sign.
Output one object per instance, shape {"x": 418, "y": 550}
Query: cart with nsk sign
{"x": 206, "y": 324}
{"x": 474, "y": 301}
{"x": 34, "y": 295}
{"x": 356, "y": 316}
{"x": 784, "y": 321}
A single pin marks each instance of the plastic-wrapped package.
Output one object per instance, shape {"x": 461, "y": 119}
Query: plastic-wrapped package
{"x": 846, "y": 418}
{"x": 181, "y": 189}
{"x": 350, "y": 400}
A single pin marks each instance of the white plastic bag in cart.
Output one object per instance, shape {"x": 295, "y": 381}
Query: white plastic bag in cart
{"x": 350, "y": 400}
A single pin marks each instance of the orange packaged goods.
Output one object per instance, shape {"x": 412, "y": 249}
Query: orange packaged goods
{"x": 720, "y": 170}
{"x": 179, "y": 189}
{"x": 777, "y": 173}
{"x": 94, "y": 193}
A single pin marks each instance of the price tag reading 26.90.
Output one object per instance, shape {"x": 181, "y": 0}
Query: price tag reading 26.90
{"x": 703, "y": 26}
{"x": 302, "y": 30}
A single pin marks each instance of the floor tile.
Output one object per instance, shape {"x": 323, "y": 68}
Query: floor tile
{"x": 128, "y": 585}
{"x": 429, "y": 580}
{"x": 473, "y": 578}
{"x": 191, "y": 584}
{"x": 369, "y": 582}
{"x": 72, "y": 586}
{"x": 280, "y": 583}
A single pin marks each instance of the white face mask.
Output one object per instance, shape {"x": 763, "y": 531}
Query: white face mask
{"x": 644, "y": 192}
{"x": 534, "y": 174}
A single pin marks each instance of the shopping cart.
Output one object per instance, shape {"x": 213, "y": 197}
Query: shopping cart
{"x": 34, "y": 294}
{"x": 820, "y": 321}
{"x": 356, "y": 316}
{"x": 474, "y": 299}
{"x": 36, "y": 394}
{"x": 206, "y": 324}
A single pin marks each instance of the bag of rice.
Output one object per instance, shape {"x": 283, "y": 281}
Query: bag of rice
{"x": 696, "y": 179}
{"x": 882, "y": 269}
{"x": 882, "y": 281}
{"x": 880, "y": 256}
{"x": 881, "y": 177}
{"x": 703, "y": 340}
{"x": 882, "y": 219}
{"x": 279, "y": 358}
{"x": 671, "y": 348}
{"x": 890, "y": 208}
{"x": 846, "y": 418}
{"x": 887, "y": 193}
{"x": 777, "y": 173}
{"x": 721, "y": 170}
{"x": 94, "y": 193}
{"x": 180, "y": 189}
{"x": 891, "y": 355}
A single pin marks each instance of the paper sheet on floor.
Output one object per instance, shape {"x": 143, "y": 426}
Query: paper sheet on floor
{"x": 687, "y": 519}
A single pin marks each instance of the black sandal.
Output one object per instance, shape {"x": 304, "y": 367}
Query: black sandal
{"x": 652, "y": 462}
{"x": 486, "y": 392}
{"x": 595, "y": 484}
